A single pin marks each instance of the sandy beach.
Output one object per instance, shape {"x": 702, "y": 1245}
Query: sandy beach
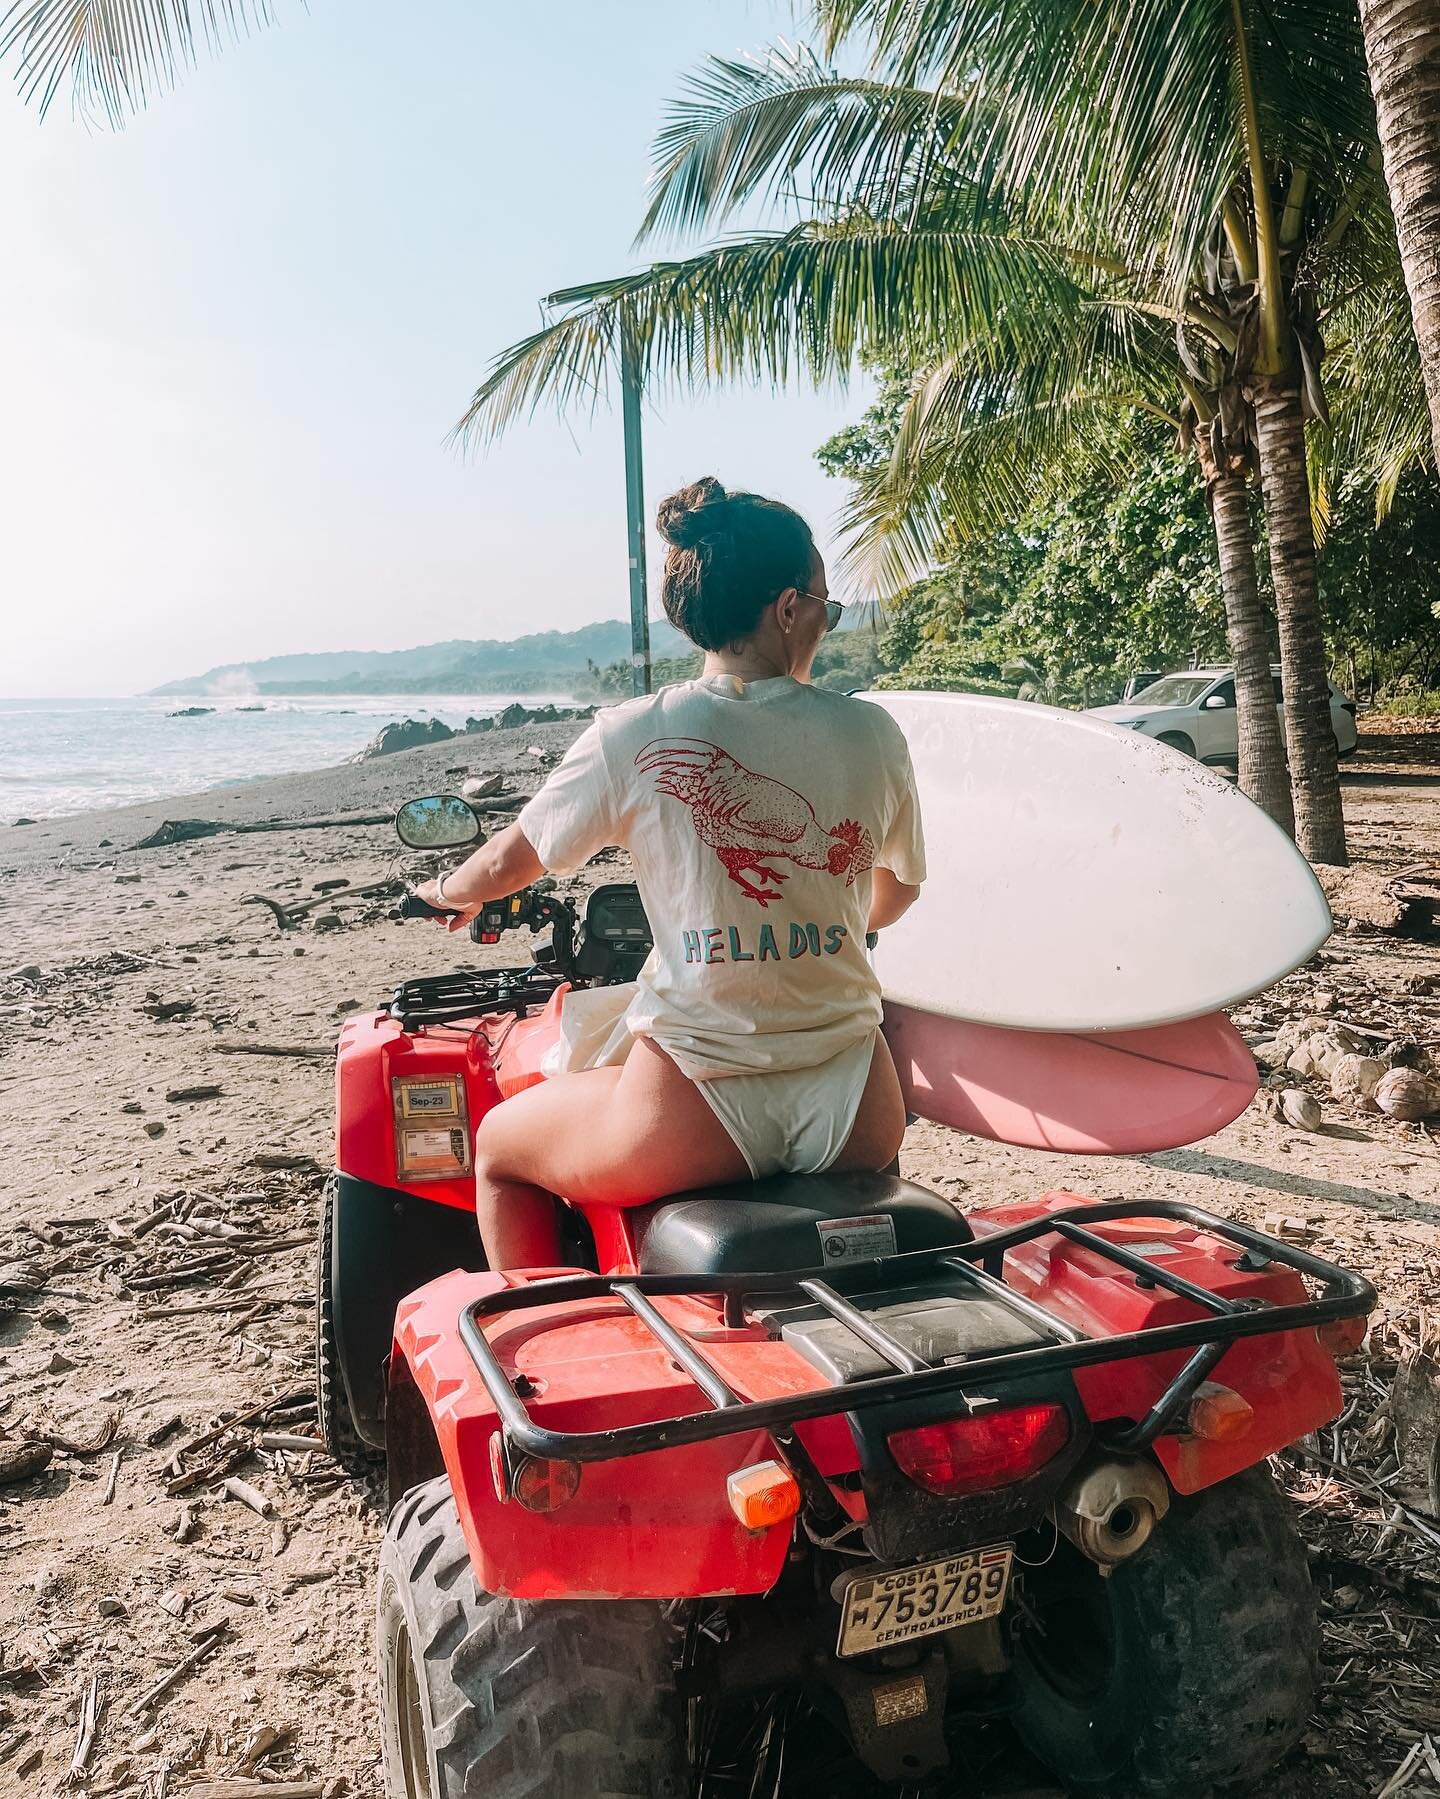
{"x": 131, "y": 977}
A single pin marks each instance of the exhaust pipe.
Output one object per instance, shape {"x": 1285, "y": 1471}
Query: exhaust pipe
{"x": 1109, "y": 1509}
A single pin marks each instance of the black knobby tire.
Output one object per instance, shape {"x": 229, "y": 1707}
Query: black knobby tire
{"x": 515, "y": 1699}
{"x": 1177, "y": 741}
{"x": 1193, "y": 1667}
{"x": 337, "y": 1430}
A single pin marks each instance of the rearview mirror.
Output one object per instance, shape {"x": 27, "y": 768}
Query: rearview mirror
{"x": 440, "y": 821}
{"x": 1216, "y": 702}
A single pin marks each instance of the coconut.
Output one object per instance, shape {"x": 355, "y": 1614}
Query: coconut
{"x": 1406, "y": 1093}
{"x": 1299, "y": 1109}
{"x": 1355, "y": 1078}
{"x": 1295, "y": 1031}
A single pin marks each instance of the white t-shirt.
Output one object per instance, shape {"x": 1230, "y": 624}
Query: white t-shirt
{"x": 754, "y": 813}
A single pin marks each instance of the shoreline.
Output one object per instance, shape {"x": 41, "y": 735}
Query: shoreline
{"x": 330, "y": 791}
{"x": 62, "y": 761}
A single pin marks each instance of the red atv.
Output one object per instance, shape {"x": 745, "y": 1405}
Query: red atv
{"x": 810, "y": 1460}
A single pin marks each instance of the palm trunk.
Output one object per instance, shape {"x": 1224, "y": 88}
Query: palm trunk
{"x": 1309, "y": 732}
{"x": 1263, "y": 775}
{"x": 1402, "y": 47}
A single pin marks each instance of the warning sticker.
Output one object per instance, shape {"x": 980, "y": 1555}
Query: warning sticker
{"x": 856, "y": 1239}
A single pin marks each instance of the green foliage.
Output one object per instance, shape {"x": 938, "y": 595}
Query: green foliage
{"x": 848, "y": 660}
{"x": 1080, "y": 592}
{"x": 1380, "y": 586}
{"x": 1073, "y": 596}
{"x": 611, "y": 682}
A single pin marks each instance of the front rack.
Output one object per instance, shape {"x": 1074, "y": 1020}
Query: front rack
{"x": 1344, "y": 1295}
{"x": 470, "y": 993}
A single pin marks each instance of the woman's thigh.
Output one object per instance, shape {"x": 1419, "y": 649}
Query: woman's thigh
{"x": 611, "y": 1135}
{"x": 879, "y": 1126}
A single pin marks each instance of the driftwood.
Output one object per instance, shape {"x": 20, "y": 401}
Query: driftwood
{"x": 89, "y": 1726}
{"x": 311, "y": 1050}
{"x": 208, "y": 1644}
{"x": 186, "y": 830}
{"x": 255, "y": 1789}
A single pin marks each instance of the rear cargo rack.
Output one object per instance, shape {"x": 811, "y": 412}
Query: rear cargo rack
{"x": 470, "y": 993}
{"x": 1343, "y": 1295}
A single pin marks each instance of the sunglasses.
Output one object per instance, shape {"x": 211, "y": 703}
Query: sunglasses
{"x": 834, "y": 609}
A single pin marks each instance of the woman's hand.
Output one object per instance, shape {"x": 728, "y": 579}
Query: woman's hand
{"x": 429, "y": 891}
{"x": 500, "y": 867}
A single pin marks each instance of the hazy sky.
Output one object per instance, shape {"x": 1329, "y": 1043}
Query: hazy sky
{"x": 236, "y": 334}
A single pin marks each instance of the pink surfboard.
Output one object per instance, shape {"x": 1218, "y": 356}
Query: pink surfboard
{"x": 1107, "y": 1093}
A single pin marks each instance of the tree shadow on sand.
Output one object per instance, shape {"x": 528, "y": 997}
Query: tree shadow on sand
{"x": 1294, "y": 1185}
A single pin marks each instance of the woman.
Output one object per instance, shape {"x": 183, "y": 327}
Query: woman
{"x": 772, "y": 824}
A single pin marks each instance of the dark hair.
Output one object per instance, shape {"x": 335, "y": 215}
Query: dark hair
{"x": 730, "y": 555}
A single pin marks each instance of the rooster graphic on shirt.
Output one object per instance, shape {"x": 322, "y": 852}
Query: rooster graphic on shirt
{"x": 751, "y": 821}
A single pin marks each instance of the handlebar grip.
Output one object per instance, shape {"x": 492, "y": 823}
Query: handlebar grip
{"x": 412, "y": 906}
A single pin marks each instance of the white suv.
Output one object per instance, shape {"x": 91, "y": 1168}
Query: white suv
{"x": 1195, "y": 712}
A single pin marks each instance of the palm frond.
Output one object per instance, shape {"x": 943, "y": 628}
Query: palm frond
{"x": 116, "y": 55}
{"x": 776, "y": 306}
{"x": 978, "y": 480}
{"x": 754, "y": 127}
{"x": 1124, "y": 109}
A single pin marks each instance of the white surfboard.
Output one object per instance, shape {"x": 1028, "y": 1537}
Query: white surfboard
{"x": 1083, "y": 877}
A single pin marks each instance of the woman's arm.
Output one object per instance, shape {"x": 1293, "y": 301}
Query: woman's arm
{"x": 502, "y": 866}
{"x": 889, "y": 899}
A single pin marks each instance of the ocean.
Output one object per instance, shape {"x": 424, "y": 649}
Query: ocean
{"x": 59, "y": 757}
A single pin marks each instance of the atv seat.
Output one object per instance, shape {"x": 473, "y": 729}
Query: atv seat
{"x": 766, "y": 1227}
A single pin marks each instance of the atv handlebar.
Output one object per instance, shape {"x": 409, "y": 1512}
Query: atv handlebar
{"x": 412, "y": 906}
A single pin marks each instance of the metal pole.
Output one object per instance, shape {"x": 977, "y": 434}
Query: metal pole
{"x": 635, "y": 514}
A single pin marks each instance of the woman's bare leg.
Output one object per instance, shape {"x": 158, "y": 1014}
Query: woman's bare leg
{"x": 628, "y": 1135}
{"x": 879, "y": 1127}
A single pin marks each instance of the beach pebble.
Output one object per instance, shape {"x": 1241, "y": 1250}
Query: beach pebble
{"x": 132, "y": 1106}
{"x": 109, "y": 1606}
{"x": 59, "y": 1363}
{"x": 1355, "y": 1078}
{"x": 129, "y": 878}
{"x": 18, "y": 1461}
{"x": 327, "y": 921}
{"x": 154, "y": 1128}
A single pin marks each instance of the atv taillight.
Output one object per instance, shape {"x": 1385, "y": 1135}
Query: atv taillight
{"x": 1342, "y": 1336}
{"x": 973, "y": 1455}
{"x": 544, "y": 1486}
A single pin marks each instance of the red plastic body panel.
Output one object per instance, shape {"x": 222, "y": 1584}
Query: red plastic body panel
{"x": 653, "y": 1526}
{"x": 520, "y": 1045}
{"x": 1289, "y": 1379}
{"x": 1114, "y": 1093}
{"x": 373, "y": 1050}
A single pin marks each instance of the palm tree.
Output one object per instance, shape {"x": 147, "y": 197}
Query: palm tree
{"x": 115, "y": 57}
{"x": 1157, "y": 222}
{"x": 1161, "y": 117}
{"x": 1402, "y": 48}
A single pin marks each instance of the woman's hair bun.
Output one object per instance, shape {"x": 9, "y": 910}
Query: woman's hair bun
{"x": 687, "y": 516}
{"x": 730, "y": 555}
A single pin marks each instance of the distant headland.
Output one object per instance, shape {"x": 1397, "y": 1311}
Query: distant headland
{"x": 545, "y": 661}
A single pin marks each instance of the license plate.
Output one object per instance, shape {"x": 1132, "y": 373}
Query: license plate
{"x": 881, "y": 1609}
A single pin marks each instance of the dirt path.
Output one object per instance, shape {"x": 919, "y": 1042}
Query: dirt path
{"x": 125, "y": 1209}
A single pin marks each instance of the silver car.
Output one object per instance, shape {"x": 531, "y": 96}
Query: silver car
{"x": 1195, "y": 712}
